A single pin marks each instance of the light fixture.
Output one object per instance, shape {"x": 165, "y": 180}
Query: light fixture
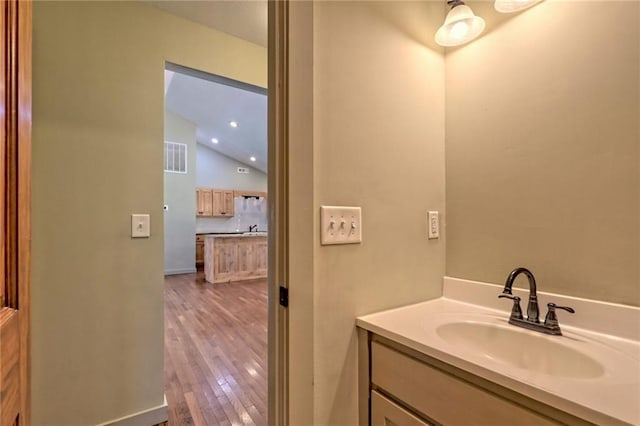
{"x": 233, "y": 124}
{"x": 460, "y": 26}
{"x": 510, "y": 6}
{"x": 252, "y": 159}
{"x": 214, "y": 140}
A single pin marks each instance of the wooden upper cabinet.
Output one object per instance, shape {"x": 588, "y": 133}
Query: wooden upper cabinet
{"x": 204, "y": 202}
{"x": 222, "y": 202}
{"x": 242, "y": 193}
{"x": 214, "y": 202}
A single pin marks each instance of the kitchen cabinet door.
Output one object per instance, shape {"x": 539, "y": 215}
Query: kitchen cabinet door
{"x": 246, "y": 258}
{"x": 199, "y": 250}
{"x": 204, "y": 202}
{"x": 224, "y": 259}
{"x": 260, "y": 254}
{"x": 223, "y": 202}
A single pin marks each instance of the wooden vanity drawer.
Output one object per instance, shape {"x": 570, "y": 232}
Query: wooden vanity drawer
{"x": 443, "y": 397}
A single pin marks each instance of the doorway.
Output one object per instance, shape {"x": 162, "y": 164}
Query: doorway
{"x": 216, "y": 227}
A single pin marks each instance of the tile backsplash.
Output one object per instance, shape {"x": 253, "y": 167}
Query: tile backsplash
{"x": 248, "y": 211}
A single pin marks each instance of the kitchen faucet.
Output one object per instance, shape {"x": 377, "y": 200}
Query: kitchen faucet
{"x": 253, "y": 228}
{"x": 532, "y": 321}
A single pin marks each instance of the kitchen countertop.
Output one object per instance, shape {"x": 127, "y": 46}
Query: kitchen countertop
{"x": 609, "y": 399}
{"x": 243, "y": 235}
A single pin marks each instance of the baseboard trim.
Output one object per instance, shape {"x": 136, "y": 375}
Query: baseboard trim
{"x": 180, "y": 271}
{"x": 150, "y": 417}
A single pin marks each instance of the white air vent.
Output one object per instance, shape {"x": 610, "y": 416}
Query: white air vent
{"x": 175, "y": 157}
{"x": 243, "y": 170}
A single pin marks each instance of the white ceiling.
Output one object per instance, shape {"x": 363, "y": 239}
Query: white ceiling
{"x": 211, "y": 106}
{"x": 245, "y": 19}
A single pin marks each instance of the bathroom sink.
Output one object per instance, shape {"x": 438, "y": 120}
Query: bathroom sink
{"x": 521, "y": 349}
{"x": 592, "y": 371}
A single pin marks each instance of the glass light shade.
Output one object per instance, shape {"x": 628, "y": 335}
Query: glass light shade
{"x": 511, "y": 6}
{"x": 460, "y": 26}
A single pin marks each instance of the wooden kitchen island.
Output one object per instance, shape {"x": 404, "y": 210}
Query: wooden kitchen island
{"x": 235, "y": 257}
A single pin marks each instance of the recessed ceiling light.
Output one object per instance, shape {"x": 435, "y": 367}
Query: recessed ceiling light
{"x": 233, "y": 124}
{"x": 252, "y": 158}
{"x": 214, "y": 140}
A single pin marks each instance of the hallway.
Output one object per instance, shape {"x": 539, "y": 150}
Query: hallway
{"x": 215, "y": 351}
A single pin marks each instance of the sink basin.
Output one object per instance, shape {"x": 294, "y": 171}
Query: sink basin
{"x": 521, "y": 349}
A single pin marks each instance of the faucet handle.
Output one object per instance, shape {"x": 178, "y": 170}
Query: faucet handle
{"x": 516, "y": 311}
{"x": 551, "y": 320}
{"x": 553, "y": 306}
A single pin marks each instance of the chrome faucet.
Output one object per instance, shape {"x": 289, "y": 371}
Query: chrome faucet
{"x": 532, "y": 306}
{"x": 253, "y": 228}
{"x": 532, "y": 321}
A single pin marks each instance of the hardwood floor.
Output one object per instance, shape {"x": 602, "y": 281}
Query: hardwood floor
{"x": 215, "y": 351}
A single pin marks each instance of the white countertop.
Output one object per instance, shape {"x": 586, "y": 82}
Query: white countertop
{"x": 612, "y": 398}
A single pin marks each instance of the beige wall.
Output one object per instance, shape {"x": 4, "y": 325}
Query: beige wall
{"x": 300, "y": 212}
{"x": 97, "y": 158}
{"x": 379, "y": 144}
{"x": 542, "y": 149}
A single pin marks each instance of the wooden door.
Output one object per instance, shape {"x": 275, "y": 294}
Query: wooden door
{"x": 15, "y": 209}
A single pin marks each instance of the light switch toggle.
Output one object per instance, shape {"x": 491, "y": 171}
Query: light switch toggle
{"x": 340, "y": 225}
{"x": 140, "y": 226}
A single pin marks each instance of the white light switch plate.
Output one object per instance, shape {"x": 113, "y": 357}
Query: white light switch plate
{"x": 140, "y": 226}
{"x": 340, "y": 225}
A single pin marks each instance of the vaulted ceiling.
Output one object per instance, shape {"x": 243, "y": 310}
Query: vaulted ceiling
{"x": 212, "y": 105}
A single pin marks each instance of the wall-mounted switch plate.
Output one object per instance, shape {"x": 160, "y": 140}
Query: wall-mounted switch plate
{"x": 140, "y": 226}
{"x": 433, "y": 225}
{"x": 340, "y": 225}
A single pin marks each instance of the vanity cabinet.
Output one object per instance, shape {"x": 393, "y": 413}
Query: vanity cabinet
{"x": 404, "y": 387}
{"x": 386, "y": 412}
{"x": 214, "y": 202}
